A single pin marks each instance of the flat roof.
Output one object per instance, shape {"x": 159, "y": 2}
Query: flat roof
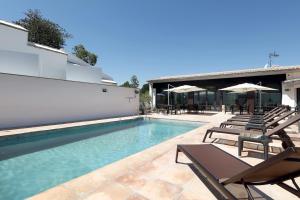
{"x": 228, "y": 74}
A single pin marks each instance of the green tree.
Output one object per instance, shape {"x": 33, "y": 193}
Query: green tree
{"x": 134, "y": 82}
{"x": 145, "y": 102}
{"x": 125, "y": 84}
{"x": 145, "y": 88}
{"x": 81, "y": 52}
{"x": 43, "y": 31}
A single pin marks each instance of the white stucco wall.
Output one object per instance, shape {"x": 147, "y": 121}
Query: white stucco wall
{"x": 48, "y": 62}
{"x": 12, "y": 39}
{"x": 288, "y": 95}
{"x": 289, "y": 89}
{"x": 19, "y": 63}
{"x": 83, "y": 73}
{"x": 52, "y": 64}
{"x": 30, "y": 101}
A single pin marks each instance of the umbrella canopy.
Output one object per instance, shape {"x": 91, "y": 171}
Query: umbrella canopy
{"x": 185, "y": 88}
{"x": 246, "y": 87}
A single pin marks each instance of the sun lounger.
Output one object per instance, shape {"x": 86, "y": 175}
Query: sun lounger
{"x": 232, "y": 131}
{"x": 221, "y": 169}
{"x": 257, "y": 121}
{"x": 259, "y": 136}
{"x": 260, "y": 116}
{"x": 265, "y": 116}
{"x": 249, "y": 125}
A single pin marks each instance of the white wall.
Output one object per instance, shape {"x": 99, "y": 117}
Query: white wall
{"x": 29, "y": 101}
{"x": 288, "y": 95}
{"x": 11, "y": 38}
{"x": 83, "y": 73}
{"x": 19, "y": 63}
{"x": 289, "y": 89}
{"x": 52, "y": 64}
{"x": 48, "y": 62}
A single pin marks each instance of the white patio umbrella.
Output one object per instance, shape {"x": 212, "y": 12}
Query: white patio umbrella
{"x": 184, "y": 89}
{"x": 248, "y": 87}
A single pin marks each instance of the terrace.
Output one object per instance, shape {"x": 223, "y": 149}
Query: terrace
{"x": 153, "y": 174}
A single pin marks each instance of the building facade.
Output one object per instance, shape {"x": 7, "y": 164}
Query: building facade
{"x": 19, "y": 56}
{"x": 285, "y": 79}
{"x": 41, "y": 85}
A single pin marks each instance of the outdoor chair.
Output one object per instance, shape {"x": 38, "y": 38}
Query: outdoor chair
{"x": 263, "y": 136}
{"x": 259, "y": 115}
{"x": 249, "y": 125}
{"x": 264, "y": 116}
{"x": 221, "y": 169}
{"x": 259, "y": 120}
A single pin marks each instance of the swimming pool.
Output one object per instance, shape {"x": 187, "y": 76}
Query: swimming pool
{"x": 34, "y": 162}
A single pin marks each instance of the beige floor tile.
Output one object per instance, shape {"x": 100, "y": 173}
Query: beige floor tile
{"x": 158, "y": 189}
{"x": 131, "y": 180}
{"x": 136, "y": 197}
{"x": 177, "y": 174}
{"x": 112, "y": 191}
{"x": 195, "y": 189}
{"x": 86, "y": 184}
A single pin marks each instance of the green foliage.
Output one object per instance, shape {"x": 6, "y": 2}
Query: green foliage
{"x": 145, "y": 102}
{"x": 43, "y": 31}
{"x": 82, "y": 53}
{"x": 145, "y": 98}
{"x": 125, "y": 84}
{"x": 134, "y": 82}
{"x": 145, "y": 88}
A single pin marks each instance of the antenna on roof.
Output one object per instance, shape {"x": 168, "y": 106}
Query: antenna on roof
{"x": 274, "y": 54}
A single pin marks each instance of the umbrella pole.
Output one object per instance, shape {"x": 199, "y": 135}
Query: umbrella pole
{"x": 259, "y": 100}
{"x": 168, "y": 95}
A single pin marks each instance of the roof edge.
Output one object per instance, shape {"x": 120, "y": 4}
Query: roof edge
{"x": 233, "y": 74}
{"x": 40, "y": 46}
{"x": 12, "y": 25}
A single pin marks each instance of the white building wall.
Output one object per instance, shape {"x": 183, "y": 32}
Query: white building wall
{"x": 83, "y": 73}
{"x": 52, "y": 64}
{"x": 288, "y": 95}
{"x": 289, "y": 89}
{"x": 19, "y": 63}
{"x": 12, "y": 39}
{"x": 31, "y": 101}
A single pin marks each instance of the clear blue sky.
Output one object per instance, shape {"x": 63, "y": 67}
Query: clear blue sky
{"x": 152, "y": 38}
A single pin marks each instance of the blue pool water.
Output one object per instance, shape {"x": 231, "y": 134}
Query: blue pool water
{"x": 34, "y": 162}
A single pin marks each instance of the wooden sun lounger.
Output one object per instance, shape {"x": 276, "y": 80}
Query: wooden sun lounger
{"x": 222, "y": 169}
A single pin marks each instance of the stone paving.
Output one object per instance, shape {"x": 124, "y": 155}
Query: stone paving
{"x": 153, "y": 174}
